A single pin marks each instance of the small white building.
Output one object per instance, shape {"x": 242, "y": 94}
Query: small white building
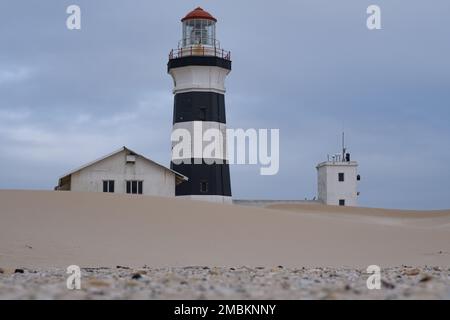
{"x": 337, "y": 181}
{"x": 123, "y": 171}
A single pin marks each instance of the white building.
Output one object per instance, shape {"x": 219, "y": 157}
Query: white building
{"x": 123, "y": 171}
{"x": 337, "y": 181}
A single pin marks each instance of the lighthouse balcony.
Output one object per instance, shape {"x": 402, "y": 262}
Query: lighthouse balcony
{"x": 200, "y": 51}
{"x": 199, "y": 55}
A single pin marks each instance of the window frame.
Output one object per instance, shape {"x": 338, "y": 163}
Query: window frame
{"x": 199, "y": 31}
{"x": 109, "y": 186}
{"x": 341, "y": 177}
{"x": 134, "y": 187}
{"x": 206, "y": 184}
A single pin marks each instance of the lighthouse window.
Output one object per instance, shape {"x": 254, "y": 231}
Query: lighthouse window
{"x": 342, "y": 202}
{"x": 341, "y": 177}
{"x": 203, "y": 186}
{"x": 203, "y": 113}
{"x": 198, "y": 31}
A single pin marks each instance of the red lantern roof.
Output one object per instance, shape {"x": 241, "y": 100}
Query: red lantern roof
{"x": 199, "y": 13}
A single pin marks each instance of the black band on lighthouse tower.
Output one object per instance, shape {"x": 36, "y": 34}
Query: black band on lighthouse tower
{"x": 199, "y": 68}
{"x": 199, "y": 106}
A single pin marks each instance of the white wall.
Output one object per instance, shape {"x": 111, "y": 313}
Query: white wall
{"x": 157, "y": 180}
{"x": 330, "y": 189}
{"x": 199, "y": 78}
{"x": 209, "y": 198}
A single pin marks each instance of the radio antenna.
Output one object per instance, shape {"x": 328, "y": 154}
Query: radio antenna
{"x": 343, "y": 145}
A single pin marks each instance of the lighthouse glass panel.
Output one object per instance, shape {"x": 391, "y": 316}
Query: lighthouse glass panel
{"x": 199, "y": 32}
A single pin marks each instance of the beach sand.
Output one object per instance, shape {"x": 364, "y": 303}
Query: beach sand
{"x": 44, "y": 232}
{"x": 56, "y": 229}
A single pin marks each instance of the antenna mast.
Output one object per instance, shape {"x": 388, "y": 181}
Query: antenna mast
{"x": 343, "y": 146}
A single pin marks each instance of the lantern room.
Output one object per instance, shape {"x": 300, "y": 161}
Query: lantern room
{"x": 199, "y": 37}
{"x": 199, "y": 28}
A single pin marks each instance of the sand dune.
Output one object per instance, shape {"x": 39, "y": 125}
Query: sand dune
{"x": 57, "y": 229}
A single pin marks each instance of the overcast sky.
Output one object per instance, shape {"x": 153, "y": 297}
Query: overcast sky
{"x": 307, "y": 67}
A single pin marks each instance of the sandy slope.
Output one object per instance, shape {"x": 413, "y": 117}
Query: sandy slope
{"x": 57, "y": 229}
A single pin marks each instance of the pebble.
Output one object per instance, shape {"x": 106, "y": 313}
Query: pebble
{"x": 98, "y": 283}
{"x": 426, "y": 278}
{"x": 412, "y": 272}
{"x": 136, "y": 276}
{"x": 387, "y": 285}
{"x": 141, "y": 272}
{"x": 121, "y": 267}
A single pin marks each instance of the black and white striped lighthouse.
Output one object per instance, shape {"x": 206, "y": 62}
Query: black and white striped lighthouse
{"x": 199, "y": 67}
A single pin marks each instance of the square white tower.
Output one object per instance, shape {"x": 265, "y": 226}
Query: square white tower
{"x": 337, "y": 181}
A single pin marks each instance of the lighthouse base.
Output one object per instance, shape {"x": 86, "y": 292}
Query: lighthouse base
{"x": 208, "y": 198}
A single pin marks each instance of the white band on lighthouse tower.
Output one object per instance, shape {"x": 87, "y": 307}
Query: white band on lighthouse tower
{"x": 199, "y": 78}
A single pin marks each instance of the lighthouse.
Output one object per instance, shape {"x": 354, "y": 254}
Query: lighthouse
{"x": 199, "y": 67}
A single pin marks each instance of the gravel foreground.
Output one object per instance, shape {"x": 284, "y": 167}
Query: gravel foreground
{"x": 226, "y": 283}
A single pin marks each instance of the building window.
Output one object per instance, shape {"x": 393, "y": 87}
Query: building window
{"x": 108, "y": 186}
{"x": 134, "y": 187}
{"x": 342, "y": 202}
{"x": 341, "y": 177}
{"x": 131, "y": 158}
{"x": 203, "y": 186}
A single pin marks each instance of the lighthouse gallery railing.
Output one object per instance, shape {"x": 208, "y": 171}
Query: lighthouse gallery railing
{"x": 199, "y": 50}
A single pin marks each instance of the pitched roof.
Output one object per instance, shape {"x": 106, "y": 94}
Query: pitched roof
{"x": 179, "y": 175}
